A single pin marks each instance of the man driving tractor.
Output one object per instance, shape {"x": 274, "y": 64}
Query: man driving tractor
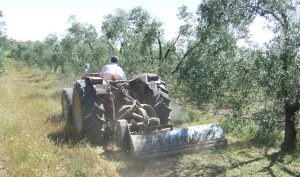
{"x": 112, "y": 71}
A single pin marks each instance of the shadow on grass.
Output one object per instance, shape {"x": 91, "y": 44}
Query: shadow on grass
{"x": 273, "y": 158}
{"x": 55, "y": 119}
{"x": 66, "y": 135}
{"x": 277, "y": 158}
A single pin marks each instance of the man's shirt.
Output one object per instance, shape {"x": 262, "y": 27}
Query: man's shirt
{"x": 112, "y": 72}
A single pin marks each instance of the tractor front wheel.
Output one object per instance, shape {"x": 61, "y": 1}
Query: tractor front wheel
{"x": 66, "y": 104}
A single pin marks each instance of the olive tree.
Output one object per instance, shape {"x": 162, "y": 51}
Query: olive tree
{"x": 280, "y": 65}
{"x": 211, "y": 66}
{"x": 2, "y": 30}
{"x": 137, "y": 38}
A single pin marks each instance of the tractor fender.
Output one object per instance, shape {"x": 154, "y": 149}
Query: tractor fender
{"x": 146, "y": 78}
{"x": 150, "y": 80}
{"x": 100, "y": 86}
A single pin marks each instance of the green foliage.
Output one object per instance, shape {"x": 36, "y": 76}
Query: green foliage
{"x": 251, "y": 130}
{"x": 4, "y": 42}
{"x": 2, "y": 31}
{"x": 115, "y": 26}
{"x": 228, "y": 123}
{"x": 137, "y": 38}
{"x": 212, "y": 61}
{"x": 214, "y": 70}
{"x": 81, "y": 45}
{"x": 267, "y": 137}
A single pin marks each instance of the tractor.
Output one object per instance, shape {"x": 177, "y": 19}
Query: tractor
{"x": 134, "y": 114}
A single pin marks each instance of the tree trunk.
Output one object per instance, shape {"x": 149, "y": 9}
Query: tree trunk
{"x": 290, "y": 133}
{"x": 90, "y": 45}
{"x": 159, "y": 48}
{"x": 184, "y": 56}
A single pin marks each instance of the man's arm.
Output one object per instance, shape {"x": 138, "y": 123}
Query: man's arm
{"x": 122, "y": 74}
{"x": 104, "y": 68}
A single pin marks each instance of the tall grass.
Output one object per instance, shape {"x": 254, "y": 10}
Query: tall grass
{"x": 250, "y": 130}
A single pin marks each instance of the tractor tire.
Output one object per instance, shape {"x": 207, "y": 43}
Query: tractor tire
{"x": 158, "y": 98}
{"x": 88, "y": 113}
{"x": 66, "y": 104}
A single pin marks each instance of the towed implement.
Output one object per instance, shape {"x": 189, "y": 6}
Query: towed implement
{"x": 135, "y": 114}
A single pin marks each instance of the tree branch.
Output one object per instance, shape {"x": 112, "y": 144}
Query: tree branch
{"x": 262, "y": 12}
{"x": 112, "y": 47}
{"x": 159, "y": 48}
{"x": 90, "y": 45}
{"x": 171, "y": 47}
{"x": 184, "y": 56}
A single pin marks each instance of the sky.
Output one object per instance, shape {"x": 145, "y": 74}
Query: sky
{"x": 35, "y": 19}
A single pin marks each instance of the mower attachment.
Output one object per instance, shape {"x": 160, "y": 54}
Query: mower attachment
{"x": 171, "y": 142}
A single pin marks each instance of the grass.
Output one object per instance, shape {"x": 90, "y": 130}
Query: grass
{"x": 187, "y": 116}
{"x": 238, "y": 158}
{"x": 35, "y": 143}
{"x": 201, "y": 117}
{"x": 29, "y": 114}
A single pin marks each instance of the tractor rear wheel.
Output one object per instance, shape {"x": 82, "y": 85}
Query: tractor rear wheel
{"x": 158, "y": 98}
{"x": 66, "y": 103}
{"x": 88, "y": 112}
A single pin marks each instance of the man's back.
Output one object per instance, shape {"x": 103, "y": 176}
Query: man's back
{"x": 112, "y": 72}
